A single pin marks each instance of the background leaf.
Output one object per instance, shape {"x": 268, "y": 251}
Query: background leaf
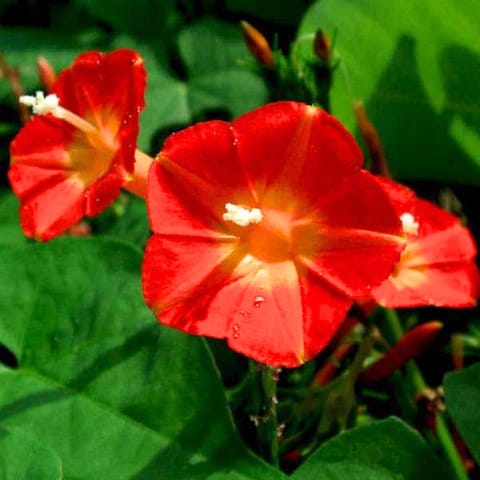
{"x": 99, "y": 379}
{"x": 22, "y": 457}
{"x": 22, "y": 47}
{"x": 286, "y": 12}
{"x": 212, "y": 51}
{"x": 462, "y": 396}
{"x": 10, "y": 232}
{"x": 388, "y": 448}
{"x": 417, "y": 67}
{"x": 143, "y": 18}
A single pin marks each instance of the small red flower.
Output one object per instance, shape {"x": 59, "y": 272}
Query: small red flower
{"x": 73, "y": 157}
{"x": 263, "y": 231}
{"x": 437, "y": 266}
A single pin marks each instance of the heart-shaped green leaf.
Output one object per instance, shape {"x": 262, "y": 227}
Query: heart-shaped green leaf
{"x": 417, "y": 67}
{"x": 23, "y": 457}
{"x": 462, "y": 395}
{"x": 113, "y": 393}
{"x": 386, "y": 449}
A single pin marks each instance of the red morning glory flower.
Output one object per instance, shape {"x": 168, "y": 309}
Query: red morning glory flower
{"x": 263, "y": 231}
{"x": 437, "y": 266}
{"x": 73, "y": 157}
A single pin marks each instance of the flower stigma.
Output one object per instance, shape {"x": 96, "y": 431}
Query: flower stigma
{"x": 409, "y": 225}
{"x": 41, "y": 104}
{"x": 242, "y": 216}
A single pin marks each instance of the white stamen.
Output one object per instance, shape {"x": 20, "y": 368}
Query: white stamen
{"x": 410, "y": 226}
{"x": 41, "y": 104}
{"x": 242, "y": 216}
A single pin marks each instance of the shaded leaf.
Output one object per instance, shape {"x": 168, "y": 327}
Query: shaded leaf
{"x": 142, "y": 18}
{"x": 22, "y": 47}
{"x": 388, "y": 448}
{"x": 212, "y": 52}
{"x": 273, "y": 10}
{"x": 113, "y": 393}
{"x": 10, "y": 232}
{"x": 462, "y": 396}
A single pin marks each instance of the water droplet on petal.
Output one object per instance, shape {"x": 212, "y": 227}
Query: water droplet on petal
{"x": 258, "y": 301}
{"x": 246, "y": 315}
{"x": 236, "y": 328}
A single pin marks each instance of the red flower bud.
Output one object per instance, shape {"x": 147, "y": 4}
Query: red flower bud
{"x": 372, "y": 139}
{"x": 322, "y": 46}
{"x": 413, "y": 344}
{"x": 258, "y": 45}
{"x": 46, "y": 73}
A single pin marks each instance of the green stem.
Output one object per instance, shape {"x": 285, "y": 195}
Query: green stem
{"x": 270, "y": 422}
{"x": 417, "y": 380}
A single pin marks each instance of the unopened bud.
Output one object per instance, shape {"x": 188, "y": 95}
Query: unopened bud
{"x": 372, "y": 139}
{"x": 322, "y": 46}
{"x": 258, "y": 45}
{"x": 46, "y": 73}
{"x": 414, "y": 343}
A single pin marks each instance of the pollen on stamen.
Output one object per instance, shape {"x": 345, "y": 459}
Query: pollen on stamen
{"x": 242, "y": 216}
{"x": 409, "y": 225}
{"x": 41, "y": 104}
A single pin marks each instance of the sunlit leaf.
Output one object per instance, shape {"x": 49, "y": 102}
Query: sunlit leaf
{"x": 23, "y": 457}
{"x": 417, "y": 67}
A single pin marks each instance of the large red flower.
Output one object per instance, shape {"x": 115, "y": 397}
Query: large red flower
{"x": 263, "y": 230}
{"x": 437, "y": 266}
{"x": 73, "y": 160}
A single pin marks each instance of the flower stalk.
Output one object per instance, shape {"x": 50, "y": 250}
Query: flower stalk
{"x": 415, "y": 377}
{"x": 269, "y": 426}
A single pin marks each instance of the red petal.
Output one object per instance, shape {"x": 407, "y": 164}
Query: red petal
{"x": 358, "y": 238}
{"x": 42, "y": 142}
{"x": 436, "y": 267}
{"x": 264, "y": 310}
{"x": 448, "y": 285}
{"x": 102, "y": 193}
{"x": 178, "y": 272}
{"x": 197, "y": 173}
{"x": 99, "y": 85}
{"x": 107, "y": 90}
{"x": 402, "y": 198}
{"x": 52, "y": 211}
{"x": 290, "y": 149}
{"x": 434, "y": 219}
{"x": 27, "y": 179}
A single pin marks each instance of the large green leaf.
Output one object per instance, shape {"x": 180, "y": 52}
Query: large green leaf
{"x": 23, "y": 457}
{"x": 386, "y": 449}
{"x": 10, "y": 231}
{"x": 212, "y": 52}
{"x": 417, "y": 67}
{"x": 113, "y": 393}
{"x": 462, "y": 395}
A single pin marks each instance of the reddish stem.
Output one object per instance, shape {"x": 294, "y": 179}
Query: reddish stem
{"x": 138, "y": 185}
{"x": 331, "y": 366}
